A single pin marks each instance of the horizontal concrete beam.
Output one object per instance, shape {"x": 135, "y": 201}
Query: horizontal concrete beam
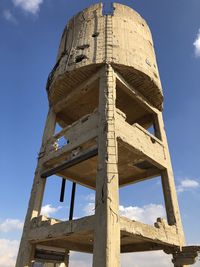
{"x": 136, "y": 95}
{"x": 140, "y": 247}
{"x": 76, "y": 134}
{"x": 52, "y": 229}
{"x": 70, "y": 245}
{"x": 164, "y": 235}
{"x": 52, "y": 233}
{"x": 137, "y": 139}
{"x": 82, "y": 156}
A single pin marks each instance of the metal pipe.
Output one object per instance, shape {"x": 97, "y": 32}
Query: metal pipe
{"x": 69, "y": 163}
{"x": 62, "y": 192}
{"x": 71, "y": 212}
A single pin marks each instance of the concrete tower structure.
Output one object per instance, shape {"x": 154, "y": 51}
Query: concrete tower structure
{"x": 105, "y": 93}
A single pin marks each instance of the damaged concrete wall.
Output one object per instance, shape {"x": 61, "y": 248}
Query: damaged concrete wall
{"x": 122, "y": 39}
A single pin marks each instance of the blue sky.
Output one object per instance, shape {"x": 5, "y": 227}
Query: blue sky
{"x": 30, "y": 32}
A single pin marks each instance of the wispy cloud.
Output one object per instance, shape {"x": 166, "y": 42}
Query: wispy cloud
{"x": 11, "y": 225}
{"x": 30, "y": 6}
{"x": 8, "y": 252}
{"x": 187, "y": 184}
{"x": 197, "y": 44}
{"x": 89, "y": 209}
{"x": 48, "y": 210}
{"x": 9, "y": 16}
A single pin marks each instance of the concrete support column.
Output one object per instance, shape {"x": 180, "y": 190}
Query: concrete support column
{"x": 66, "y": 263}
{"x": 107, "y": 225}
{"x": 168, "y": 184}
{"x": 26, "y": 250}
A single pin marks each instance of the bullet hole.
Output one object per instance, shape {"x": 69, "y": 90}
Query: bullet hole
{"x": 156, "y": 76}
{"x": 95, "y": 34}
{"x": 80, "y": 58}
{"x": 150, "y": 43}
{"x": 82, "y": 47}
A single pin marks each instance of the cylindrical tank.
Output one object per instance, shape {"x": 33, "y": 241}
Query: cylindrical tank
{"x": 92, "y": 39}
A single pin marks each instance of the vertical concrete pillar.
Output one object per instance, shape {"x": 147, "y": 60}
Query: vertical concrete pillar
{"x": 66, "y": 263}
{"x": 26, "y": 249}
{"x": 168, "y": 184}
{"x": 107, "y": 225}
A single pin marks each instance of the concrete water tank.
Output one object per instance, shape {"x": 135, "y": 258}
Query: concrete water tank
{"x": 92, "y": 39}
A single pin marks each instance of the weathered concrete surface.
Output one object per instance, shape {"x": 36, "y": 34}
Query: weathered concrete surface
{"x": 26, "y": 251}
{"x": 105, "y": 92}
{"x": 92, "y": 39}
{"x": 107, "y": 233}
{"x": 79, "y": 234}
{"x": 186, "y": 256}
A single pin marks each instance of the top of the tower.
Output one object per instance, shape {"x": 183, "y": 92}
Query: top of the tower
{"x": 93, "y": 38}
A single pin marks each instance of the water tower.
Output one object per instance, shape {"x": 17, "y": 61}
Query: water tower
{"x": 105, "y": 93}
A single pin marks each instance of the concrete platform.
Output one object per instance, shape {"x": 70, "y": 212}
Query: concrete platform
{"x": 77, "y": 235}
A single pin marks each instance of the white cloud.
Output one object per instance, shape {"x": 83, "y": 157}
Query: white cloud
{"x": 9, "y": 16}
{"x": 147, "y": 214}
{"x": 80, "y": 259}
{"x": 89, "y": 208}
{"x": 9, "y": 249}
{"x": 31, "y": 6}
{"x": 11, "y": 225}
{"x": 197, "y": 44}
{"x": 156, "y": 259}
{"x": 146, "y": 259}
{"x": 8, "y": 252}
{"x": 187, "y": 184}
{"x": 48, "y": 210}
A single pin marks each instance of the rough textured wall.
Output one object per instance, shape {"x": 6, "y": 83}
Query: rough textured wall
{"x": 123, "y": 39}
